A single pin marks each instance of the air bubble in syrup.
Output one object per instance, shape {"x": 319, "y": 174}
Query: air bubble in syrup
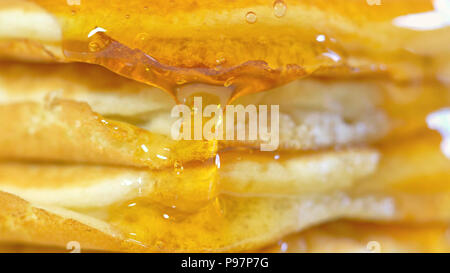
{"x": 279, "y": 8}
{"x": 250, "y": 17}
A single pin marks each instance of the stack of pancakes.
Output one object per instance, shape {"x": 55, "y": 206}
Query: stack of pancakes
{"x": 86, "y": 94}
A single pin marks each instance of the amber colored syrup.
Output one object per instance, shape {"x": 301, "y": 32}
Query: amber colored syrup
{"x": 171, "y": 50}
{"x": 347, "y": 236}
{"x": 235, "y": 222}
{"x": 169, "y": 44}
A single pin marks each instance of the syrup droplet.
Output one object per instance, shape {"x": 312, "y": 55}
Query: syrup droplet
{"x": 250, "y": 17}
{"x": 279, "y": 8}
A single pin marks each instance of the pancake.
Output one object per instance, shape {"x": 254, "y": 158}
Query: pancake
{"x": 345, "y": 236}
{"x": 136, "y": 205}
{"x": 314, "y": 114}
{"x": 351, "y": 102}
{"x": 340, "y": 236}
{"x": 239, "y": 56}
{"x": 78, "y": 165}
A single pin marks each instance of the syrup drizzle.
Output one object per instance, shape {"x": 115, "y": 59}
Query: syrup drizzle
{"x": 98, "y": 41}
{"x": 170, "y": 48}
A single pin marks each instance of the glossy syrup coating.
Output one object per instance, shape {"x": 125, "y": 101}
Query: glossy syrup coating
{"x": 173, "y": 44}
{"x": 248, "y": 45}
